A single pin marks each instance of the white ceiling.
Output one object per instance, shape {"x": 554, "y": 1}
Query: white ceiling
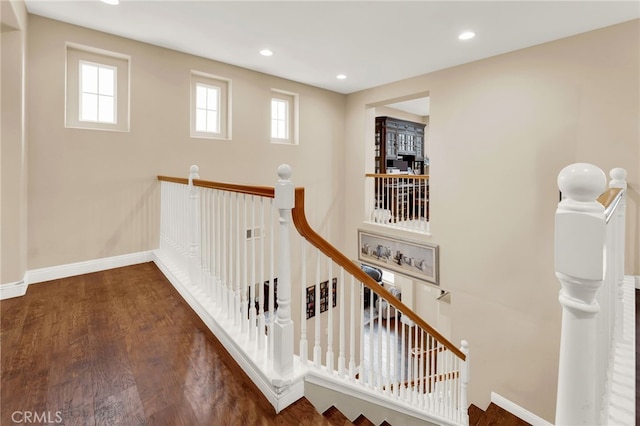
{"x": 373, "y": 43}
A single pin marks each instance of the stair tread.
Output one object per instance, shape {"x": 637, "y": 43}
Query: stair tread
{"x": 475, "y": 414}
{"x": 361, "y": 420}
{"x": 496, "y": 416}
{"x": 336, "y": 417}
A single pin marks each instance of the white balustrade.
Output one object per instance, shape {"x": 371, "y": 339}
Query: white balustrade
{"x": 589, "y": 256}
{"x": 398, "y": 201}
{"x": 222, "y": 243}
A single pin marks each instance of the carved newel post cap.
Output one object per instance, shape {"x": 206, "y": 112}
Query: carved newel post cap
{"x": 582, "y": 182}
{"x": 194, "y": 169}
{"x": 618, "y": 174}
{"x": 284, "y": 172}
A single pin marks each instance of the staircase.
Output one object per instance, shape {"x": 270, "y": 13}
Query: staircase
{"x": 493, "y": 415}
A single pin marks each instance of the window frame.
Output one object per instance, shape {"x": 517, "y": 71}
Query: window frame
{"x": 224, "y": 105}
{"x": 76, "y": 55}
{"x": 292, "y": 101}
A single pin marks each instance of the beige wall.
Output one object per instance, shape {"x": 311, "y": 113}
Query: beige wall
{"x": 13, "y": 152}
{"x": 500, "y": 131}
{"x": 93, "y": 194}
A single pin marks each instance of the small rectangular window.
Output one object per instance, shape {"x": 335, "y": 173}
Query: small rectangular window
{"x": 210, "y": 102}
{"x": 279, "y": 119}
{"x": 207, "y": 108}
{"x": 284, "y": 117}
{"x": 97, "y": 92}
{"x": 97, "y": 89}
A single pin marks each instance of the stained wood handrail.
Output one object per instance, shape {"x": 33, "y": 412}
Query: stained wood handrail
{"x": 261, "y": 191}
{"x": 608, "y": 196}
{"x": 398, "y": 176}
{"x": 301, "y": 224}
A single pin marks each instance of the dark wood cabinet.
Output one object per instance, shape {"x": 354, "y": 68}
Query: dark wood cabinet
{"x": 400, "y": 144}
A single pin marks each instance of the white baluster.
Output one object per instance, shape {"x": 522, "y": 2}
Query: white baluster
{"x": 304, "y": 349}
{"x": 352, "y": 330}
{"x": 284, "y": 198}
{"x": 329, "y": 356}
{"x": 272, "y": 274}
{"x": 341, "y": 302}
{"x": 579, "y": 243}
{"x": 260, "y": 283}
{"x": 194, "y": 227}
{"x": 317, "y": 349}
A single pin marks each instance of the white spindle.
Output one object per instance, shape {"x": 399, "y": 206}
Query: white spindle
{"x": 261, "y": 298}
{"x": 579, "y": 242}
{"x": 272, "y": 274}
{"x": 194, "y": 227}
{"x": 329, "y": 356}
{"x": 352, "y": 330}
{"x": 304, "y": 349}
{"x": 317, "y": 355}
{"x": 341, "y": 302}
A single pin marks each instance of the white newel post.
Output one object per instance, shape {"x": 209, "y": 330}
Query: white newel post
{"x": 283, "y": 327}
{"x": 579, "y": 245}
{"x": 464, "y": 383}
{"x": 194, "y": 226}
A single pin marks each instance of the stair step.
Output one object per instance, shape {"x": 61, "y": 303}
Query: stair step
{"x": 335, "y": 417}
{"x": 361, "y": 420}
{"x": 475, "y": 414}
{"x": 495, "y": 415}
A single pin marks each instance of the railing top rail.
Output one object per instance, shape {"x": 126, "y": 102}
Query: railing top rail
{"x": 303, "y": 227}
{"x": 609, "y": 196}
{"x": 397, "y": 176}
{"x": 261, "y": 191}
{"x": 610, "y": 200}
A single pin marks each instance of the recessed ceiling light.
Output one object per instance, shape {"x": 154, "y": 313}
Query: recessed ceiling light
{"x": 266, "y": 52}
{"x": 467, "y": 35}
{"x": 341, "y": 76}
{"x": 111, "y": 2}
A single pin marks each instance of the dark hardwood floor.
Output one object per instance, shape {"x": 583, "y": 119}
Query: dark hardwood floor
{"x": 121, "y": 347}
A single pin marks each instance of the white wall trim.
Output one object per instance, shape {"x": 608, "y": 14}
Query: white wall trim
{"x": 86, "y": 267}
{"x": 518, "y": 411}
{"x": 637, "y": 281}
{"x": 15, "y": 289}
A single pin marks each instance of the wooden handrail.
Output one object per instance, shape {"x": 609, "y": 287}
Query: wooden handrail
{"x": 398, "y": 176}
{"x": 301, "y": 224}
{"x": 608, "y": 196}
{"x": 261, "y": 191}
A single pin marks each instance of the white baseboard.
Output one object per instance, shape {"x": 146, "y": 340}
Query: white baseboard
{"x": 518, "y": 411}
{"x": 86, "y": 267}
{"x": 16, "y": 289}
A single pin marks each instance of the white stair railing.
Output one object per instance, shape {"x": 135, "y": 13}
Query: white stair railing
{"x": 227, "y": 249}
{"x": 385, "y": 348}
{"x": 589, "y": 262}
{"x": 399, "y": 201}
